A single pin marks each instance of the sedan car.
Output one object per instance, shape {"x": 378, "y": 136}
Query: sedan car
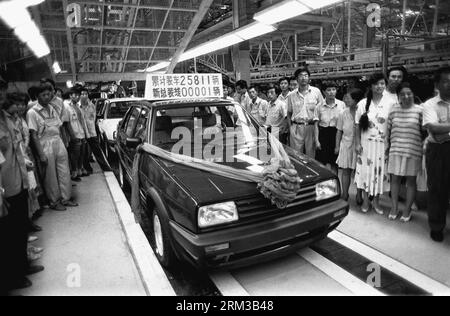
{"x": 209, "y": 219}
{"x": 109, "y": 114}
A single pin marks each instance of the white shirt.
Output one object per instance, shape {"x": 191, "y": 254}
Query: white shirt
{"x": 435, "y": 111}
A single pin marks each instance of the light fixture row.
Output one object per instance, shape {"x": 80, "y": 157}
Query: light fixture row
{"x": 15, "y": 14}
{"x": 265, "y": 21}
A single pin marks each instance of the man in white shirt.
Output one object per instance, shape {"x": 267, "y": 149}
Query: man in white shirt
{"x": 302, "y": 115}
{"x": 92, "y": 145}
{"x": 436, "y": 118}
{"x": 257, "y": 107}
{"x": 396, "y": 76}
{"x": 284, "y": 87}
{"x": 242, "y": 96}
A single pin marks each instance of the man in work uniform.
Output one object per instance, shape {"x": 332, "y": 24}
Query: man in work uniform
{"x": 303, "y": 119}
{"x": 14, "y": 195}
{"x": 436, "y": 118}
{"x": 89, "y": 114}
{"x": 44, "y": 124}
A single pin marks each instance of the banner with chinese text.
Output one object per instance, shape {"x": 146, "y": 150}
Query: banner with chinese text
{"x": 183, "y": 86}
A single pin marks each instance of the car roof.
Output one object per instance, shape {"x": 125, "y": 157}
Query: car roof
{"x": 127, "y": 100}
{"x": 188, "y": 102}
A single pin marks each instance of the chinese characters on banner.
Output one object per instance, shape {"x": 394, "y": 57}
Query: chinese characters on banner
{"x": 183, "y": 86}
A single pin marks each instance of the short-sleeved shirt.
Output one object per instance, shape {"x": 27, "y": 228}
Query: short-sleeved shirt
{"x": 76, "y": 120}
{"x": 304, "y": 107}
{"x": 346, "y": 124}
{"x": 36, "y": 118}
{"x": 391, "y": 96}
{"x": 275, "y": 114}
{"x": 258, "y": 109}
{"x": 435, "y": 111}
{"x": 14, "y": 172}
{"x": 284, "y": 100}
{"x": 329, "y": 114}
{"x": 89, "y": 114}
{"x": 405, "y": 126}
{"x": 58, "y": 105}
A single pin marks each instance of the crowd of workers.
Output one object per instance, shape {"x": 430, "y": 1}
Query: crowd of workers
{"x": 46, "y": 145}
{"x": 381, "y": 138}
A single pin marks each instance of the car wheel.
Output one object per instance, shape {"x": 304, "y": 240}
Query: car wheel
{"x": 122, "y": 180}
{"x": 162, "y": 240}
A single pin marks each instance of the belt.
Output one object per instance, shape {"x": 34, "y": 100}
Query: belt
{"x": 304, "y": 123}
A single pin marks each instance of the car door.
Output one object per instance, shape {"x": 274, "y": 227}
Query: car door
{"x": 133, "y": 133}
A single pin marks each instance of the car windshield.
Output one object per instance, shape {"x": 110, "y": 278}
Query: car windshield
{"x": 213, "y": 133}
{"x": 118, "y": 109}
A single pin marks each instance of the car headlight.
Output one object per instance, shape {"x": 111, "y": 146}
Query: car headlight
{"x": 217, "y": 214}
{"x": 327, "y": 190}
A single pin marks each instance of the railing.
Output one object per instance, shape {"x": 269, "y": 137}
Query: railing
{"x": 433, "y": 54}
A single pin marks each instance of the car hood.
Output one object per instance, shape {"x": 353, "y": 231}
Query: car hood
{"x": 209, "y": 188}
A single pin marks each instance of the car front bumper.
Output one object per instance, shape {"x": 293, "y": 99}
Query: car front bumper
{"x": 254, "y": 243}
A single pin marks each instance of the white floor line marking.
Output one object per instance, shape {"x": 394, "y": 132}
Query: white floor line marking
{"x": 415, "y": 277}
{"x": 227, "y": 284}
{"x": 346, "y": 279}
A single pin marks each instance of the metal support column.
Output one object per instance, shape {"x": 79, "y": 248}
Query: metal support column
{"x": 321, "y": 41}
{"x": 296, "y": 49}
{"x": 349, "y": 27}
{"x": 405, "y": 7}
{"x": 436, "y": 17}
{"x": 70, "y": 44}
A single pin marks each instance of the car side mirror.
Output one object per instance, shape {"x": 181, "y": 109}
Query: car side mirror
{"x": 133, "y": 142}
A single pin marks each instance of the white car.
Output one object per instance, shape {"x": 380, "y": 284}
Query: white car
{"x": 109, "y": 114}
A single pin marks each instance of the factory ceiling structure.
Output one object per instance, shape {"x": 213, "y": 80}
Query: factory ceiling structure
{"x": 121, "y": 39}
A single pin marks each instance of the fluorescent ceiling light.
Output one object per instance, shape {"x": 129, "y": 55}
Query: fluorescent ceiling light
{"x": 159, "y": 66}
{"x": 15, "y": 14}
{"x": 317, "y": 4}
{"x": 289, "y": 9}
{"x": 281, "y": 11}
{"x": 254, "y": 30}
{"x": 56, "y": 68}
{"x": 27, "y": 32}
{"x": 240, "y": 35}
{"x": 211, "y": 46}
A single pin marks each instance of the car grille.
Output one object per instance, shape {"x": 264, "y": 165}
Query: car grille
{"x": 262, "y": 207}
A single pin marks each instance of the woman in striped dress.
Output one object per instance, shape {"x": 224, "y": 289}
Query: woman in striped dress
{"x": 405, "y": 149}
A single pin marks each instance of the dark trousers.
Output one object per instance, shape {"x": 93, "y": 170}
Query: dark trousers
{"x": 438, "y": 169}
{"x": 98, "y": 153}
{"x": 87, "y": 152}
{"x": 14, "y": 240}
{"x": 76, "y": 155}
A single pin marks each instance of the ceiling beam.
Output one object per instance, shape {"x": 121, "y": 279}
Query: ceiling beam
{"x": 104, "y": 77}
{"x": 70, "y": 44}
{"x": 148, "y": 7}
{"x": 122, "y": 46}
{"x": 97, "y": 61}
{"x": 219, "y": 26}
{"x": 112, "y": 28}
{"x": 198, "y": 18}
{"x": 314, "y": 18}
